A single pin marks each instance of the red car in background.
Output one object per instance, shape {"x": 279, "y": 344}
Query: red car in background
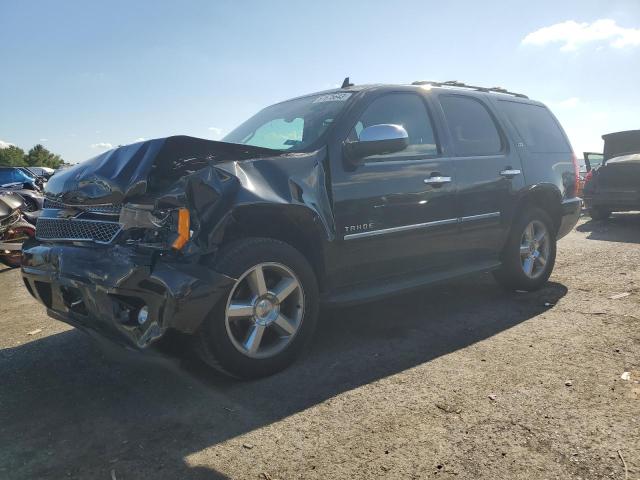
{"x": 590, "y": 161}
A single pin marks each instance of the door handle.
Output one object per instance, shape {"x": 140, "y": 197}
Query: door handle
{"x": 510, "y": 173}
{"x": 438, "y": 180}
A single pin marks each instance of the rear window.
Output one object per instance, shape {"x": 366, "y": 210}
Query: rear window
{"x": 537, "y": 127}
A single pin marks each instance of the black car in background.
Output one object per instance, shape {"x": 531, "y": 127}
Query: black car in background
{"x": 615, "y": 185}
{"x": 332, "y": 198}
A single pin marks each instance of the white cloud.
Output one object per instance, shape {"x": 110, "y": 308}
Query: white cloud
{"x": 43, "y": 140}
{"x": 573, "y": 35}
{"x": 215, "y": 132}
{"x": 5, "y": 144}
{"x": 102, "y": 146}
{"x": 139, "y": 139}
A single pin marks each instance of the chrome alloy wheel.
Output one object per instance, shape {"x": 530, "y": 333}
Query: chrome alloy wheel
{"x": 265, "y": 310}
{"x": 534, "y": 249}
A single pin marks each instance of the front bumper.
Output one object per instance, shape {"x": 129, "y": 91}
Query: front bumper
{"x": 570, "y": 214}
{"x": 103, "y": 289}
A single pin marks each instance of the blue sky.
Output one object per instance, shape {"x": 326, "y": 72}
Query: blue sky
{"x": 80, "y": 76}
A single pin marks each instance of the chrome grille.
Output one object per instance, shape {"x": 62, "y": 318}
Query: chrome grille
{"x": 100, "y": 209}
{"x": 76, "y": 230}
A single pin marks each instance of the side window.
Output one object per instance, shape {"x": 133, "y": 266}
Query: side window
{"x": 472, "y": 128}
{"x": 404, "y": 109}
{"x": 537, "y": 127}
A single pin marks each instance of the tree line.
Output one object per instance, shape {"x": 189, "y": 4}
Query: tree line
{"x": 37, "y": 156}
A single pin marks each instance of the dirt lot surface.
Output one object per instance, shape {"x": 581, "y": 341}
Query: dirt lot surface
{"x": 460, "y": 381}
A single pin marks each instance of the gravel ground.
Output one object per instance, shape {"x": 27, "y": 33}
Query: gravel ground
{"x": 460, "y": 381}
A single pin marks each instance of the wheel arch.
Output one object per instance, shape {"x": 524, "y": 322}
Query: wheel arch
{"x": 544, "y": 196}
{"x": 296, "y": 225}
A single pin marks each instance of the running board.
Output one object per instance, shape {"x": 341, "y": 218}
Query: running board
{"x": 362, "y": 293}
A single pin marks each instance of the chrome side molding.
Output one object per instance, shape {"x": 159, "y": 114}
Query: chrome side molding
{"x": 416, "y": 226}
{"x": 482, "y": 216}
{"x": 403, "y": 228}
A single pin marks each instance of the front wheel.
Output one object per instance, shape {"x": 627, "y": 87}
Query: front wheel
{"x": 268, "y": 315}
{"x": 530, "y": 252}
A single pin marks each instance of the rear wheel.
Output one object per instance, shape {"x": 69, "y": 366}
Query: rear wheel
{"x": 268, "y": 315}
{"x": 599, "y": 213}
{"x": 530, "y": 253}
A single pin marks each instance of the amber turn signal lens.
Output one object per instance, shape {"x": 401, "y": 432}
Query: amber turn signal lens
{"x": 183, "y": 229}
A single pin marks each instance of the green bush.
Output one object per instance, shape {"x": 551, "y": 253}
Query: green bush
{"x": 37, "y": 156}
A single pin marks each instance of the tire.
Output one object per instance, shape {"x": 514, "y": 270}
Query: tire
{"x": 599, "y": 213}
{"x": 227, "y": 339}
{"x": 513, "y": 275}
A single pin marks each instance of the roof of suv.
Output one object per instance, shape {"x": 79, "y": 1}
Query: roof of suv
{"x": 427, "y": 85}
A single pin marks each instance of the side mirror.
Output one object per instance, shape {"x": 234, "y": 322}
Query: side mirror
{"x": 377, "y": 140}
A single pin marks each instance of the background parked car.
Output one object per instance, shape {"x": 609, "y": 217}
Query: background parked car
{"x": 18, "y": 180}
{"x": 43, "y": 172}
{"x": 615, "y": 185}
{"x": 16, "y": 226}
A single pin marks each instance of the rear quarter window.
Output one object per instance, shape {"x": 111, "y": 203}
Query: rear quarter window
{"x": 536, "y": 126}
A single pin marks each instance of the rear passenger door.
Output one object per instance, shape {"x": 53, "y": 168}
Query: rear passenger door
{"x": 488, "y": 175}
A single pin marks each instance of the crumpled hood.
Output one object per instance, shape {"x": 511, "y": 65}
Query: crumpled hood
{"x": 127, "y": 171}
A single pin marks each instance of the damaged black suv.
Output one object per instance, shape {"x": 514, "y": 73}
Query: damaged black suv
{"x": 328, "y": 199}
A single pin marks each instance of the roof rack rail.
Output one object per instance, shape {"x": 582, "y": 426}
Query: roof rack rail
{"x": 455, "y": 83}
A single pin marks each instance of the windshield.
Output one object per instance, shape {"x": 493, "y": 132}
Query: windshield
{"x": 293, "y": 125}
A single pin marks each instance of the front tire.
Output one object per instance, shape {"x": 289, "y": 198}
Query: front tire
{"x": 530, "y": 252}
{"x": 268, "y": 316}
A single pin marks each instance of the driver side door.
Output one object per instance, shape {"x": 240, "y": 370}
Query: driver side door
{"x": 395, "y": 212}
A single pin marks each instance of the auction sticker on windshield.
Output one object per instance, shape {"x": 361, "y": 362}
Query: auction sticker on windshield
{"x": 332, "y": 97}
